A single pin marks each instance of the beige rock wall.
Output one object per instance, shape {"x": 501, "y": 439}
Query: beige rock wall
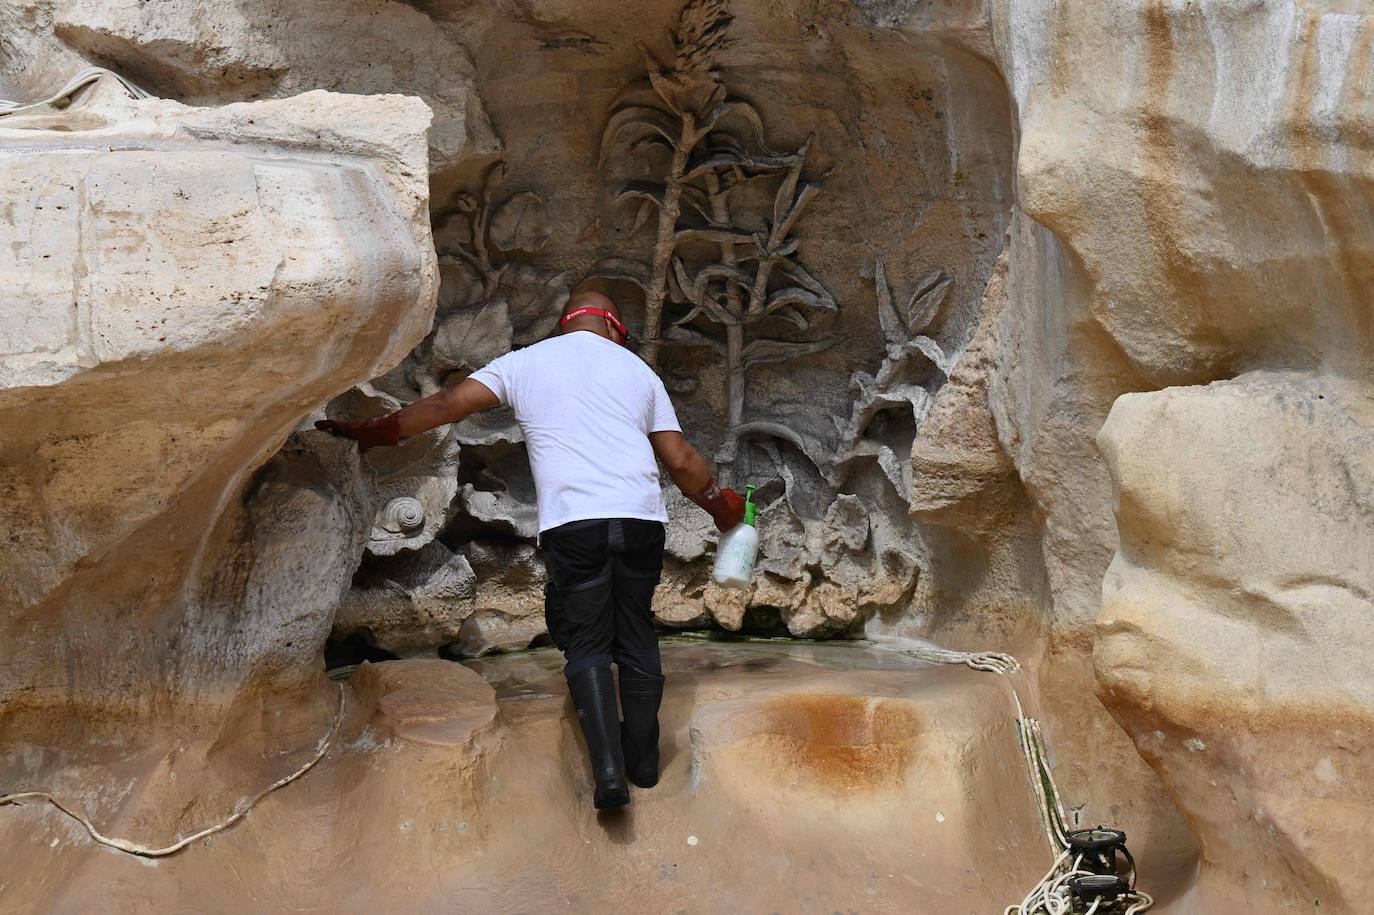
{"x": 1183, "y": 193}
{"x": 1194, "y": 185}
{"x": 1235, "y": 634}
{"x": 182, "y": 287}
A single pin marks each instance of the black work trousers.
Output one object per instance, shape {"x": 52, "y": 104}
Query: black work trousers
{"x": 597, "y": 603}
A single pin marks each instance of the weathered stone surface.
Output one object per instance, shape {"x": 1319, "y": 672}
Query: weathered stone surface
{"x": 184, "y": 286}
{"x": 250, "y": 49}
{"x": 1234, "y": 636}
{"x": 409, "y": 602}
{"x": 1172, "y": 213}
{"x": 1186, "y": 218}
{"x": 439, "y": 785}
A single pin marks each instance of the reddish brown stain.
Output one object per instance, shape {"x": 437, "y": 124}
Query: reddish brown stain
{"x": 843, "y": 744}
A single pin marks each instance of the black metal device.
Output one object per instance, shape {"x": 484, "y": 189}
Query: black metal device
{"x": 1098, "y": 848}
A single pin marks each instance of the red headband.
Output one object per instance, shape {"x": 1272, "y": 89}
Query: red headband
{"x": 600, "y": 313}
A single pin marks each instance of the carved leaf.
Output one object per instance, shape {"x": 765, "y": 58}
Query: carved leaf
{"x": 713, "y": 234}
{"x": 635, "y": 121}
{"x": 777, "y": 430}
{"x": 744, "y": 110}
{"x": 926, "y": 301}
{"x": 643, "y": 213}
{"x": 691, "y": 289}
{"x": 696, "y": 198}
{"x": 794, "y": 316}
{"x": 521, "y": 223}
{"x": 795, "y": 295}
{"x": 651, "y": 191}
{"x": 933, "y": 352}
{"x": 662, "y": 87}
{"x": 733, "y": 158}
{"x": 791, "y": 216}
{"x": 696, "y": 292}
{"x": 894, "y": 328}
{"x": 783, "y": 199}
{"x": 764, "y": 351}
{"x": 802, "y": 277}
{"x": 621, "y": 268}
{"x": 646, "y": 142}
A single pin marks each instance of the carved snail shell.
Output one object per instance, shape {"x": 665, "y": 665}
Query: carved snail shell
{"x": 404, "y": 515}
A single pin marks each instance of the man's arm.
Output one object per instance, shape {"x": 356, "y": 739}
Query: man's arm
{"x": 692, "y": 475}
{"x": 448, "y": 406}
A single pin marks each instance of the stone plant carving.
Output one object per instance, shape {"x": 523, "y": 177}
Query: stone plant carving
{"x": 486, "y": 290}
{"x": 479, "y": 244}
{"x": 741, "y": 289}
{"x": 904, "y": 379}
{"x": 684, "y": 111}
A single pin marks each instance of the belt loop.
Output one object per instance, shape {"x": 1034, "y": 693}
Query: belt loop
{"x": 615, "y": 536}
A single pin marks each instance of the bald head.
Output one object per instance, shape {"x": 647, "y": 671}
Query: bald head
{"x": 594, "y": 323}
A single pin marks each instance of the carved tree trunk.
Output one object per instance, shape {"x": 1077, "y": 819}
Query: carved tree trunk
{"x": 734, "y": 361}
{"x": 734, "y": 333}
{"x": 663, "y": 250}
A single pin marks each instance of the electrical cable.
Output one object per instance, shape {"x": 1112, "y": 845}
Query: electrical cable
{"x": 1052, "y": 895}
{"x": 143, "y": 851}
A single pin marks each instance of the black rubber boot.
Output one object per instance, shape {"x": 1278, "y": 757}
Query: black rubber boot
{"x": 593, "y": 695}
{"x": 640, "y": 695}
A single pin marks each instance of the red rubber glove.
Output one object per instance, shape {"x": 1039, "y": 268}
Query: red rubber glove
{"x": 370, "y": 433}
{"x": 725, "y": 505}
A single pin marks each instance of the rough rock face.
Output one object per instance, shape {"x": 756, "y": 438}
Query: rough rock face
{"x": 1191, "y": 218}
{"x": 184, "y": 286}
{"x": 1179, "y": 194}
{"x": 446, "y": 792}
{"x": 1234, "y": 635}
{"x": 253, "y": 49}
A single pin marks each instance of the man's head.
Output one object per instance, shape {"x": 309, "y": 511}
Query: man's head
{"x": 595, "y": 312}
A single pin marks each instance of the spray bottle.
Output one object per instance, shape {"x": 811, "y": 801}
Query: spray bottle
{"x": 738, "y": 548}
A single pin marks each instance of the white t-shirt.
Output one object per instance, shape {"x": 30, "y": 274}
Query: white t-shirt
{"x": 586, "y": 406}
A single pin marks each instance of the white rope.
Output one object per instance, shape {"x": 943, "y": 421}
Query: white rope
{"x": 79, "y": 81}
{"x": 1052, "y": 895}
{"x": 143, "y": 851}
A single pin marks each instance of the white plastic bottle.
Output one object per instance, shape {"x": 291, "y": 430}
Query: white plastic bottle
{"x": 738, "y": 548}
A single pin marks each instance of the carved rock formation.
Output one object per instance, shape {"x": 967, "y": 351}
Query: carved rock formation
{"x": 1185, "y": 247}
{"x": 1234, "y": 633}
{"x": 186, "y": 285}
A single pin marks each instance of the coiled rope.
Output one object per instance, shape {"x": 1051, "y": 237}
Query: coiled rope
{"x": 1052, "y": 895}
{"x": 143, "y": 851}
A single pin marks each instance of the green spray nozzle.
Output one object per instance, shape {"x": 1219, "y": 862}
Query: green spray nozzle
{"x": 750, "y": 509}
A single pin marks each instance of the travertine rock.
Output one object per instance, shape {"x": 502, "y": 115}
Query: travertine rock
{"x": 1235, "y": 637}
{"x": 411, "y": 601}
{"x": 488, "y": 597}
{"x": 508, "y": 608}
{"x": 249, "y": 49}
{"x": 183, "y": 286}
{"x": 1184, "y": 217}
{"x": 849, "y": 766}
{"x": 1172, "y": 212}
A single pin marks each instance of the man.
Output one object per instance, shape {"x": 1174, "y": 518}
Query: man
{"x": 594, "y": 417}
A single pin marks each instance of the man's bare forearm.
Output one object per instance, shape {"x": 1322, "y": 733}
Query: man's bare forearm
{"x": 449, "y": 406}
{"x": 424, "y": 414}
{"x": 692, "y": 475}
{"x": 689, "y": 470}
